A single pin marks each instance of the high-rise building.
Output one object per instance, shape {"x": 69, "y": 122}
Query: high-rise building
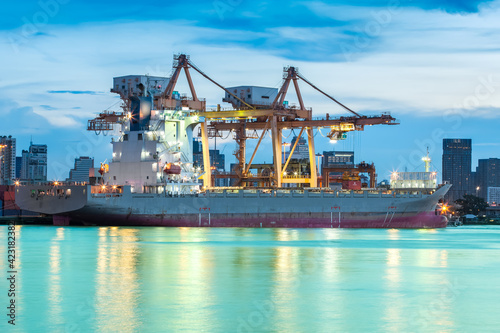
{"x": 487, "y": 175}
{"x": 197, "y": 153}
{"x": 493, "y": 197}
{"x": 457, "y": 163}
{"x": 217, "y": 159}
{"x": 19, "y": 164}
{"x": 24, "y": 164}
{"x": 34, "y": 163}
{"x": 301, "y": 151}
{"x": 81, "y": 171}
{"x": 7, "y": 160}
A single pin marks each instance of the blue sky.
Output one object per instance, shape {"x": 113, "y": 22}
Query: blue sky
{"x": 432, "y": 64}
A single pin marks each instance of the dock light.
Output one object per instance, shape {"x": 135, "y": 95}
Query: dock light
{"x": 103, "y": 187}
{"x": 17, "y": 183}
{"x": 284, "y": 173}
{"x": 444, "y": 208}
{"x": 333, "y": 141}
{"x": 114, "y": 187}
{"x": 56, "y": 183}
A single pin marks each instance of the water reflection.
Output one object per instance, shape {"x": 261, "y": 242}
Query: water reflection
{"x": 285, "y": 271}
{"x": 193, "y": 274}
{"x": 54, "y": 283}
{"x": 394, "y": 297}
{"x": 281, "y": 280}
{"x": 444, "y": 258}
{"x": 306, "y": 274}
{"x": 117, "y": 287}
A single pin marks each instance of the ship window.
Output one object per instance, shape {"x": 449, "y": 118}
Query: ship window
{"x": 125, "y": 137}
{"x": 265, "y": 97}
{"x": 139, "y": 136}
{"x": 249, "y": 96}
{"x": 114, "y": 177}
{"x": 147, "y": 177}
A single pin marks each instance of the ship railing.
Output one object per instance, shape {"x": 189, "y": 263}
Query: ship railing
{"x": 103, "y": 190}
{"x": 292, "y": 176}
{"x": 50, "y": 183}
{"x": 311, "y": 192}
{"x": 40, "y": 193}
{"x": 185, "y": 97}
{"x": 105, "y": 195}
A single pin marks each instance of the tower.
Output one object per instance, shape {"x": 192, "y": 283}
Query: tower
{"x": 457, "y": 160}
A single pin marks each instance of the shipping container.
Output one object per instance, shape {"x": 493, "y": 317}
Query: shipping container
{"x": 10, "y": 212}
{"x": 9, "y": 205}
{"x": 29, "y": 213}
{"x": 351, "y": 185}
{"x": 9, "y": 196}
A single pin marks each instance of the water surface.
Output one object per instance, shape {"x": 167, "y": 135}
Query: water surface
{"x": 110, "y": 279}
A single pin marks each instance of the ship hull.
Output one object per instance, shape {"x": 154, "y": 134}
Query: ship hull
{"x": 248, "y": 209}
{"x": 306, "y": 220}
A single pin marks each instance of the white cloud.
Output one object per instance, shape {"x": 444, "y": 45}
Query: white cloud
{"x": 424, "y": 62}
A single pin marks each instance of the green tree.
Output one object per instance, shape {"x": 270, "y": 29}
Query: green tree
{"x": 470, "y": 204}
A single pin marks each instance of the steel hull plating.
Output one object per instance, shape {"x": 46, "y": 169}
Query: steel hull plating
{"x": 422, "y": 220}
{"x": 256, "y": 209}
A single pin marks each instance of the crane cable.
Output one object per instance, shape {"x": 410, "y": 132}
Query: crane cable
{"x": 218, "y": 85}
{"x": 330, "y": 97}
{"x": 319, "y": 130}
{"x": 284, "y": 136}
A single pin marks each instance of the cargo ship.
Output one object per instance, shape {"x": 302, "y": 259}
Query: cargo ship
{"x": 152, "y": 180}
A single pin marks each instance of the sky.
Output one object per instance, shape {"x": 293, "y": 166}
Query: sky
{"x": 434, "y": 65}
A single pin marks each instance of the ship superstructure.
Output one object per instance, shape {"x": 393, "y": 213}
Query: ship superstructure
{"x": 155, "y": 152}
{"x": 151, "y": 179}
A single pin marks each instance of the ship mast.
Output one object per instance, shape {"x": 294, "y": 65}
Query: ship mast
{"x": 427, "y": 161}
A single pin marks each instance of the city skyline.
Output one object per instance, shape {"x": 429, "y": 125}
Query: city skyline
{"x": 432, "y": 65}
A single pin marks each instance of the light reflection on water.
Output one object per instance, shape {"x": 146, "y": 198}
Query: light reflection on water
{"x": 117, "y": 283}
{"x": 255, "y": 280}
{"x": 54, "y": 275}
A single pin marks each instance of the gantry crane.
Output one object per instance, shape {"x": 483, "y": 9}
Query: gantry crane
{"x": 280, "y": 117}
{"x": 274, "y": 119}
